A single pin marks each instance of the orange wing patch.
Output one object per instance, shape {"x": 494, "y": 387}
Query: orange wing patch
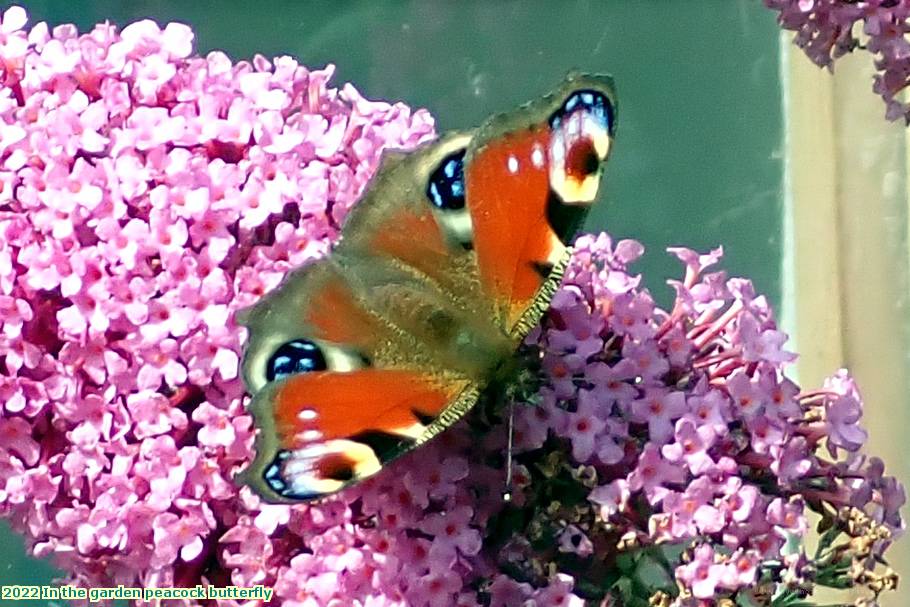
{"x": 323, "y": 431}
{"x": 508, "y": 189}
{"x": 414, "y": 237}
{"x": 317, "y": 407}
{"x": 340, "y": 317}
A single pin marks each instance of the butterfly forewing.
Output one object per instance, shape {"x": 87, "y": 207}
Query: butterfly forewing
{"x": 531, "y": 177}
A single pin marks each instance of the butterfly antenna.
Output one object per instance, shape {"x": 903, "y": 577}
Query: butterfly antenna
{"x": 507, "y": 491}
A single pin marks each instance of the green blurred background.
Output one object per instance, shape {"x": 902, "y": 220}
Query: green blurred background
{"x": 698, "y": 158}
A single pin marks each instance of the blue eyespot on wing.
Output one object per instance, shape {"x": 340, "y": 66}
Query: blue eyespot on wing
{"x": 445, "y": 187}
{"x": 296, "y": 356}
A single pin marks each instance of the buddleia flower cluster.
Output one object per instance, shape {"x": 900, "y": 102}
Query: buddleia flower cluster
{"x": 147, "y": 194}
{"x": 667, "y": 459}
{"x": 829, "y": 29}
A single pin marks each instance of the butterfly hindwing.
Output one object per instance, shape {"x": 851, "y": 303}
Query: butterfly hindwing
{"x": 325, "y": 430}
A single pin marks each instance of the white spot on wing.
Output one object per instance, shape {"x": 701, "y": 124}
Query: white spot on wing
{"x": 513, "y": 164}
{"x": 309, "y": 436}
{"x": 307, "y": 415}
{"x": 537, "y": 158}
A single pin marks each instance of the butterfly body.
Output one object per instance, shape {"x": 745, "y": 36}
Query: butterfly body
{"x": 445, "y": 264}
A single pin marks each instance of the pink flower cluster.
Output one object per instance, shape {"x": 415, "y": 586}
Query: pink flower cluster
{"x": 828, "y": 29}
{"x": 147, "y": 194}
{"x": 689, "y": 441}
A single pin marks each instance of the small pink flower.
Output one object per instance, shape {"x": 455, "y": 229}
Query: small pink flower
{"x": 611, "y": 498}
{"x": 748, "y": 398}
{"x": 558, "y": 593}
{"x": 584, "y": 424}
{"x": 791, "y": 461}
{"x": 562, "y": 370}
{"x": 787, "y": 517}
{"x": 178, "y": 535}
{"x": 739, "y": 500}
{"x": 613, "y": 384}
{"x": 439, "y": 479}
{"x": 696, "y": 263}
{"x": 761, "y": 344}
{"x": 703, "y": 574}
{"x": 691, "y": 446}
{"x": 842, "y": 415}
{"x": 451, "y": 530}
{"x": 16, "y": 439}
{"x": 533, "y": 423}
{"x": 632, "y": 315}
{"x": 436, "y": 589}
{"x": 153, "y": 414}
{"x": 659, "y": 408}
{"x": 741, "y": 569}
{"x": 653, "y": 473}
{"x": 766, "y": 433}
{"x": 782, "y": 396}
{"x": 711, "y": 409}
{"x": 505, "y": 592}
{"x": 649, "y": 362}
{"x": 217, "y": 429}
{"x": 247, "y": 551}
{"x": 161, "y": 363}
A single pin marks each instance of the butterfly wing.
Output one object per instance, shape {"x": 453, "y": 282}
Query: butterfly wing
{"x": 394, "y": 221}
{"x": 339, "y": 389}
{"x": 320, "y": 432}
{"x": 531, "y": 177}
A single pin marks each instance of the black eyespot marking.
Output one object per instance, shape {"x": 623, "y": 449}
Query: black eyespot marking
{"x": 336, "y": 467}
{"x": 333, "y": 466}
{"x": 422, "y": 417}
{"x": 594, "y": 103}
{"x": 298, "y": 356}
{"x": 582, "y": 159}
{"x": 384, "y": 444}
{"x": 446, "y": 185}
{"x": 565, "y": 219}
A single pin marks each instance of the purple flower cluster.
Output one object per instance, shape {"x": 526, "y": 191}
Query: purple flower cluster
{"x": 828, "y": 29}
{"x": 147, "y": 194}
{"x": 685, "y": 433}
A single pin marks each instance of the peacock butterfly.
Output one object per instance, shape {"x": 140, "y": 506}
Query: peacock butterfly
{"x": 443, "y": 267}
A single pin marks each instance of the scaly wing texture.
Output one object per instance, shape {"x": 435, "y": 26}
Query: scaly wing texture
{"x": 513, "y": 240}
